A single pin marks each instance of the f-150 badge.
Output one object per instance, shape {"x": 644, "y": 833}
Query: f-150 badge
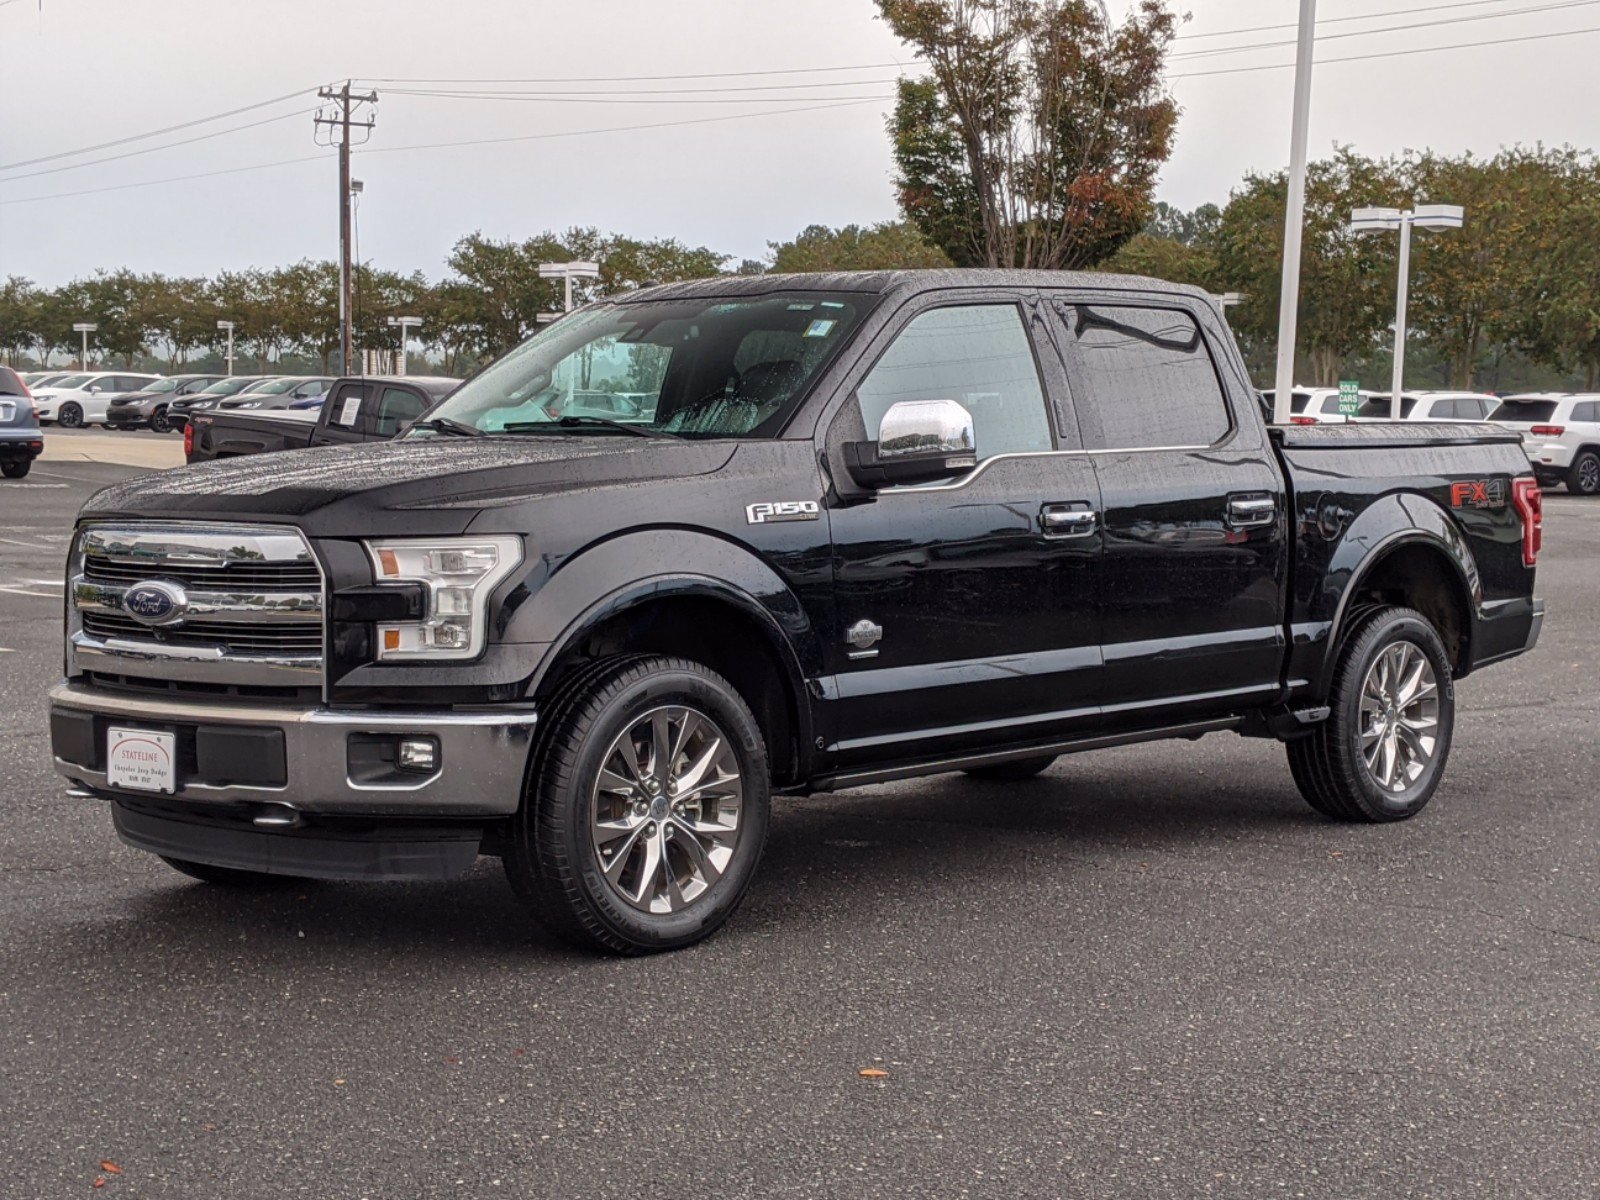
{"x": 769, "y": 511}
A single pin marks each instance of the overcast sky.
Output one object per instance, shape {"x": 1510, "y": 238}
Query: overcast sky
{"x": 84, "y": 72}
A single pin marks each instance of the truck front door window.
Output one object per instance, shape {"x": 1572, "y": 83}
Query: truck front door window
{"x": 978, "y": 355}
{"x": 396, "y": 406}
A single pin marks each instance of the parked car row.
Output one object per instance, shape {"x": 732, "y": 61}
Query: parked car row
{"x": 123, "y": 400}
{"x": 1560, "y": 431}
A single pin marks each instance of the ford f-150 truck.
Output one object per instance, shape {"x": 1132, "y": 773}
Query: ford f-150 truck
{"x": 371, "y": 408}
{"x": 845, "y": 529}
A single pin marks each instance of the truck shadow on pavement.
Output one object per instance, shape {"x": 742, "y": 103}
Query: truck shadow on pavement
{"x": 831, "y": 860}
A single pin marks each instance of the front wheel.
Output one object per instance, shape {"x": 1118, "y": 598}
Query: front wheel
{"x": 1381, "y": 752}
{"x": 159, "y": 422}
{"x": 70, "y": 416}
{"x": 16, "y": 470}
{"x": 646, "y": 811}
{"x": 1583, "y": 479}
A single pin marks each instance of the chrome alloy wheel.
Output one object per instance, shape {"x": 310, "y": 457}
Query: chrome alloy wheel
{"x": 1589, "y": 475}
{"x": 666, "y": 809}
{"x": 1399, "y": 717}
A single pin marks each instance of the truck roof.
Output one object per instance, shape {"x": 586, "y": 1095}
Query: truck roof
{"x": 904, "y": 282}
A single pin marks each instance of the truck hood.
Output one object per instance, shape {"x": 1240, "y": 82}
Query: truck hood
{"x": 432, "y": 486}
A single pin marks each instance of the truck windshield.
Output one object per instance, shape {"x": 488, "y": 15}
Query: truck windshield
{"x": 695, "y": 368}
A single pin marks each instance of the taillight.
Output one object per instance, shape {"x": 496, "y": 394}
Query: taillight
{"x": 188, "y": 439}
{"x": 1302, "y": 420}
{"x": 1529, "y": 502}
{"x": 1548, "y": 430}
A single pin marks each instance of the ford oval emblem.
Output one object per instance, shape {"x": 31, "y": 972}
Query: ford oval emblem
{"x": 155, "y": 602}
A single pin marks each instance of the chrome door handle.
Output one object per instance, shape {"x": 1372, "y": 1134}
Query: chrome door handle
{"x": 1065, "y": 521}
{"x": 1251, "y": 512}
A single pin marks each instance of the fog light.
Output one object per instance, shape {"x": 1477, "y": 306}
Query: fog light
{"x": 418, "y": 754}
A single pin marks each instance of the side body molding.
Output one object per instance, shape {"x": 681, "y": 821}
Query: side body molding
{"x": 1341, "y": 544}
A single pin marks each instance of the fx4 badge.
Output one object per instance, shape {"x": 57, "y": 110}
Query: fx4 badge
{"x": 782, "y": 510}
{"x": 1478, "y": 493}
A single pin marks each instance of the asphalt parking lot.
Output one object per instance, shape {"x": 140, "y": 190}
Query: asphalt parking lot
{"x": 1151, "y": 972}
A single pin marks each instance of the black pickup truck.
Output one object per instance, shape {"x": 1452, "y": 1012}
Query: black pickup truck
{"x": 846, "y": 529}
{"x": 371, "y": 408}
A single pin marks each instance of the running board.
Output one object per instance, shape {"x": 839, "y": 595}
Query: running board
{"x": 965, "y": 762}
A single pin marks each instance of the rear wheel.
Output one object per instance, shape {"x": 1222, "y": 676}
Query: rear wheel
{"x": 1013, "y": 772}
{"x": 1583, "y": 478}
{"x": 227, "y": 876}
{"x": 16, "y": 470}
{"x": 70, "y": 416}
{"x": 646, "y": 810}
{"x": 159, "y": 422}
{"x": 1382, "y": 751}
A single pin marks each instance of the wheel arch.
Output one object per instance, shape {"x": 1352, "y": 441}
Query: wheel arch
{"x": 718, "y": 604}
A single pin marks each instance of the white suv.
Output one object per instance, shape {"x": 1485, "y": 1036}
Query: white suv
{"x": 1431, "y": 406}
{"x": 83, "y": 399}
{"x": 1561, "y": 435}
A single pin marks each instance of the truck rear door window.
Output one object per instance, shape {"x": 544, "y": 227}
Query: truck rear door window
{"x": 977, "y": 355}
{"x": 1144, "y": 376}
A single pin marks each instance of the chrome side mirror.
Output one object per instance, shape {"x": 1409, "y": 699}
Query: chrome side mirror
{"x": 918, "y": 441}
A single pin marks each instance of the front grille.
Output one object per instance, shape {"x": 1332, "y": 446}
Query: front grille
{"x": 233, "y": 577}
{"x": 230, "y": 606}
{"x": 295, "y": 638}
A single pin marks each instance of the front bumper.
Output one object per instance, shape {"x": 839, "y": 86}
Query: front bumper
{"x": 306, "y": 760}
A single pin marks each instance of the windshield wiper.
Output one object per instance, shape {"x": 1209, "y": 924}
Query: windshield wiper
{"x": 590, "y": 423}
{"x": 449, "y": 425}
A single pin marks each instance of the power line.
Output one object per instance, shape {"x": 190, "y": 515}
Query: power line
{"x": 563, "y": 98}
{"x": 1398, "y": 12}
{"x": 95, "y": 162}
{"x": 1500, "y": 41}
{"x": 121, "y": 187}
{"x": 746, "y": 87}
{"x": 647, "y": 78}
{"x": 1334, "y": 37}
{"x": 139, "y": 137}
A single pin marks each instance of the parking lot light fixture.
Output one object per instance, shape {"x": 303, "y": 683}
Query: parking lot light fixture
{"x": 228, "y": 325}
{"x": 567, "y": 272}
{"x": 405, "y": 325}
{"x": 1380, "y": 220}
{"x": 85, "y": 328}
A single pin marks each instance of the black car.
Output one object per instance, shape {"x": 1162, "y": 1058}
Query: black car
{"x": 148, "y": 408}
{"x": 847, "y": 529}
{"x": 365, "y": 408}
{"x": 209, "y": 397}
{"x": 21, "y": 440}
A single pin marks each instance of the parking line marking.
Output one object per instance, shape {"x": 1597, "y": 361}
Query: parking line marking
{"x": 14, "y": 591}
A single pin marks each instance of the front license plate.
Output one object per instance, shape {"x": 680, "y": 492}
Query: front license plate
{"x": 141, "y": 760}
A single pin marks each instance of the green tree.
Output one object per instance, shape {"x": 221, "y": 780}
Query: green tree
{"x": 1037, "y": 138}
{"x": 1167, "y": 258}
{"x": 889, "y": 246}
{"x": 19, "y": 309}
{"x": 1347, "y": 282}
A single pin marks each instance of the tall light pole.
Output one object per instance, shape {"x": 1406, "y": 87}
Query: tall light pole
{"x": 228, "y": 325}
{"x": 1294, "y": 215}
{"x": 405, "y": 325}
{"x": 1379, "y": 220}
{"x": 567, "y": 272}
{"x": 85, "y": 328}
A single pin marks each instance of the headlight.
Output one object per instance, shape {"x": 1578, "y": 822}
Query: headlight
{"x": 458, "y": 575}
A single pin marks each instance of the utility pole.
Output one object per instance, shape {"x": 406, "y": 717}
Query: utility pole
{"x": 339, "y": 121}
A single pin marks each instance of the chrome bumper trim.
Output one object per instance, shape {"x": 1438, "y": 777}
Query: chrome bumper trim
{"x": 192, "y": 664}
{"x": 483, "y": 754}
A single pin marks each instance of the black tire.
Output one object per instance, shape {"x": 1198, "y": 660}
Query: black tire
{"x": 1013, "y": 772}
{"x": 550, "y": 856}
{"x": 159, "y": 422}
{"x": 1583, "y": 477}
{"x": 1329, "y": 766}
{"x": 70, "y": 416}
{"x": 227, "y": 876}
{"x": 16, "y": 470}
